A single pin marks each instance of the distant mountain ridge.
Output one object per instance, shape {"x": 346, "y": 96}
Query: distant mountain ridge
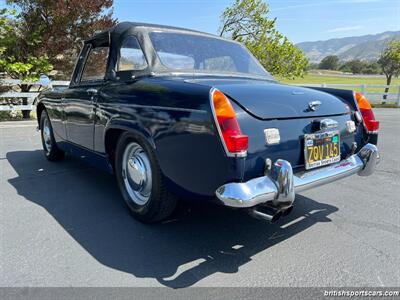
{"x": 366, "y": 47}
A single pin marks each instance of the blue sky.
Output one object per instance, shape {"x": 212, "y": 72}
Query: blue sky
{"x": 300, "y": 20}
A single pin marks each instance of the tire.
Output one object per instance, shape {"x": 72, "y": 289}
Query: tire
{"x": 51, "y": 151}
{"x": 141, "y": 181}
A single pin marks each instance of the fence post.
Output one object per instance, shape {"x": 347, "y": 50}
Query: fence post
{"x": 364, "y": 89}
{"x": 324, "y": 85}
{"x": 398, "y": 97}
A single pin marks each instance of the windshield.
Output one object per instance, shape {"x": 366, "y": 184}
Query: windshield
{"x": 182, "y": 52}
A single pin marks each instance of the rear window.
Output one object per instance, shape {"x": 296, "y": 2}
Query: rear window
{"x": 176, "y": 61}
{"x": 198, "y": 53}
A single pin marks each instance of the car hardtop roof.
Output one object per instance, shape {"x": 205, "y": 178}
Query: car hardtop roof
{"x": 114, "y": 37}
{"x": 122, "y": 27}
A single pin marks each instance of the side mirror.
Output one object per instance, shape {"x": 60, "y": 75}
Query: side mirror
{"x": 44, "y": 80}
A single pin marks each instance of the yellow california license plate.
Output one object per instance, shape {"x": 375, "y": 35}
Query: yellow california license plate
{"x": 321, "y": 149}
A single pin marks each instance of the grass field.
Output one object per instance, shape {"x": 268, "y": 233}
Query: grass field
{"x": 313, "y": 78}
{"x": 357, "y": 80}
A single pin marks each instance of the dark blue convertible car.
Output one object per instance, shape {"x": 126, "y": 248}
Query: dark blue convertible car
{"x": 179, "y": 113}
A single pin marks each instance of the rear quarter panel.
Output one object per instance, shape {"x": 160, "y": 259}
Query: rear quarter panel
{"x": 175, "y": 118}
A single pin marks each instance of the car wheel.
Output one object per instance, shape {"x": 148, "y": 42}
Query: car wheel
{"x": 140, "y": 180}
{"x": 51, "y": 151}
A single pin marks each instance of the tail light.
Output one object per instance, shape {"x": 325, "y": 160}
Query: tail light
{"x": 234, "y": 141}
{"x": 371, "y": 124}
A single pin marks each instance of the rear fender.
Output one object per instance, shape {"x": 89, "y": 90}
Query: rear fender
{"x": 188, "y": 152}
{"x": 129, "y": 126}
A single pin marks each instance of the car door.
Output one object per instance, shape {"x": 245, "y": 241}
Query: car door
{"x": 131, "y": 66}
{"x": 82, "y": 96}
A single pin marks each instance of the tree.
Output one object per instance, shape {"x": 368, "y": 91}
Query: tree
{"x": 46, "y": 33}
{"x": 330, "y": 62}
{"x": 390, "y": 63}
{"x": 13, "y": 60}
{"x": 312, "y": 66}
{"x": 60, "y": 27}
{"x": 246, "y": 21}
{"x": 355, "y": 66}
{"x": 372, "y": 67}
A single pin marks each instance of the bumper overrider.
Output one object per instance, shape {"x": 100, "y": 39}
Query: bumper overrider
{"x": 276, "y": 190}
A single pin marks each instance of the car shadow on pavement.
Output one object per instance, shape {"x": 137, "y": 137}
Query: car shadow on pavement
{"x": 200, "y": 240}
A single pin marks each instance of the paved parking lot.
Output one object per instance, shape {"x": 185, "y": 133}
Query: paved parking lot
{"x": 65, "y": 224}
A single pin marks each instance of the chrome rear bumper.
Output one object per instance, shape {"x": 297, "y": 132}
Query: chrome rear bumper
{"x": 278, "y": 188}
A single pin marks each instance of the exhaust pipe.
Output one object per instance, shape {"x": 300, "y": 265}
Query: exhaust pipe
{"x": 272, "y": 215}
{"x": 287, "y": 211}
{"x": 269, "y": 214}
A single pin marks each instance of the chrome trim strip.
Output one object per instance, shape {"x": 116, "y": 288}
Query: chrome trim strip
{"x": 342, "y": 169}
{"x": 278, "y": 188}
{"x": 168, "y": 108}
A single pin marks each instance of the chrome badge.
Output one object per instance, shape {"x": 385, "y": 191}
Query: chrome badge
{"x": 272, "y": 136}
{"x": 313, "y": 105}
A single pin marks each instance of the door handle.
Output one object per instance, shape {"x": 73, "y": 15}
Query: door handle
{"x": 91, "y": 92}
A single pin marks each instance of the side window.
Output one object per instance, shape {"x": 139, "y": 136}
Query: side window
{"x": 131, "y": 56}
{"x": 96, "y": 65}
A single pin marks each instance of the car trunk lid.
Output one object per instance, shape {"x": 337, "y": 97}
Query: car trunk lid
{"x": 269, "y": 100}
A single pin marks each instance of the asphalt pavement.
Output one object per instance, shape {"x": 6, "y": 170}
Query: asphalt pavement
{"x": 65, "y": 224}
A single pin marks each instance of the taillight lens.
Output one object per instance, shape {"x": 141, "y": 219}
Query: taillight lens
{"x": 371, "y": 124}
{"x": 234, "y": 140}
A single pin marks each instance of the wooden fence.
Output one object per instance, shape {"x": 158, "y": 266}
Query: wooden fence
{"x": 373, "y": 96}
{"x": 368, "y": 90}
{"x": 12, "y": 94}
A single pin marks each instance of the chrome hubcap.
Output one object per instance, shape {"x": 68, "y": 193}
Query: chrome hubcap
{"x": 46, "y": 135}
{"x": 136, "y": 173}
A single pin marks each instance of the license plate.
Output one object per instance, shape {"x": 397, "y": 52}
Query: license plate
{"x": 321, "y": 149}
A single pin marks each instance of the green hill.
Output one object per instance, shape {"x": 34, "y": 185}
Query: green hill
{"x": 366, "y": 47}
